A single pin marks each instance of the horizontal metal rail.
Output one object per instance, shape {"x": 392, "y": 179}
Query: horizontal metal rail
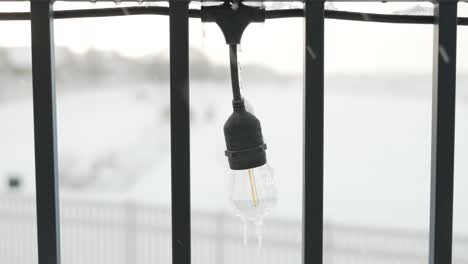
{"x": 270, "y": 14}
{"x": 304, "y": 1}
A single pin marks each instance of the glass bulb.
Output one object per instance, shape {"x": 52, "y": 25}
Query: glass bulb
{"x": 253, "y": 193}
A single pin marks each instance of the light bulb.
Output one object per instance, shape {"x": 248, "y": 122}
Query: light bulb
{"x": 253, "y": 193}
{"x": 252, "y": 187}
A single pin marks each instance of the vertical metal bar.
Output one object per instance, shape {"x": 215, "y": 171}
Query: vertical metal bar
{"x": 180, "y": 131}
{"x": 443, "y": 132}
{"x": 312, "y": 249}
{"x": 47, "y": 200}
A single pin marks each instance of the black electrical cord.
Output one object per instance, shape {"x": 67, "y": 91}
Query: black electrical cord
{"x": 245, "y": 147}
{"x": 387, "y": 18}
{"x": 270, "y": 14}
{"x": 101, "y": 12}
{"x": 235, "y": 72}
{"x": 364, "y": 17}
{"x": 121, "y": 11}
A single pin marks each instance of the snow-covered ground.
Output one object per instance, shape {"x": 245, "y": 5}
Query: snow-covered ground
{"x": 114, "y": 144}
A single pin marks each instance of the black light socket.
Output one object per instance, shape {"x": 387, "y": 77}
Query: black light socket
{"x": 232, "y": 18}
{"x": 244, "y": 139}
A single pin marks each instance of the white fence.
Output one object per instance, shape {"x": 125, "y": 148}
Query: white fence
{"x": 125, "y": 233}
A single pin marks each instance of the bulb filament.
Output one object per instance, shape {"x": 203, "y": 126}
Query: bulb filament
{"x": 252, "y": 188}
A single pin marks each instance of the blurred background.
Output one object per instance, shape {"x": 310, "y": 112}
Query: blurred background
{"x": 114, "y": 138}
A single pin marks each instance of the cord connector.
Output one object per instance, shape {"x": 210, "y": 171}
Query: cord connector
{"x": 233, "y": 18}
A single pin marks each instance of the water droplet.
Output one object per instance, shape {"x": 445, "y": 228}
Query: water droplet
{"x": 140, "y": 2}
{"x": 92, "y": 1}
{"x": 365, "y": 16}
{"x": 443, "y": 53}
{"x": 311, "y": 52}
{"x": 117, "y": 2}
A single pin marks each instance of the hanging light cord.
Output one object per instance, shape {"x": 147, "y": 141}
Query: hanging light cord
{"x": 270, "y": 14}
{"x": 235, "y": 72}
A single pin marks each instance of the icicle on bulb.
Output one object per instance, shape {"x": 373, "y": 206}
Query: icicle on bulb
{"x": 253, "y": 194}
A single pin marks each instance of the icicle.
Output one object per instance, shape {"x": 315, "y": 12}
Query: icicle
{"x": 259, "y": 232}
{"x": 244, "y": 231}
{"x": 249, "y": 107}
{"x": 239, "y": 65}
{"x": 203, "y": 36}
{"x": 256, "y": 228}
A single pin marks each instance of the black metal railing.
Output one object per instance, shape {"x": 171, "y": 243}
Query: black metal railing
{"x": 443, "y": 125}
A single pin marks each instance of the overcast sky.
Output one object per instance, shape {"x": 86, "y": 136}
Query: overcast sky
{"x": 350, "y": 46}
